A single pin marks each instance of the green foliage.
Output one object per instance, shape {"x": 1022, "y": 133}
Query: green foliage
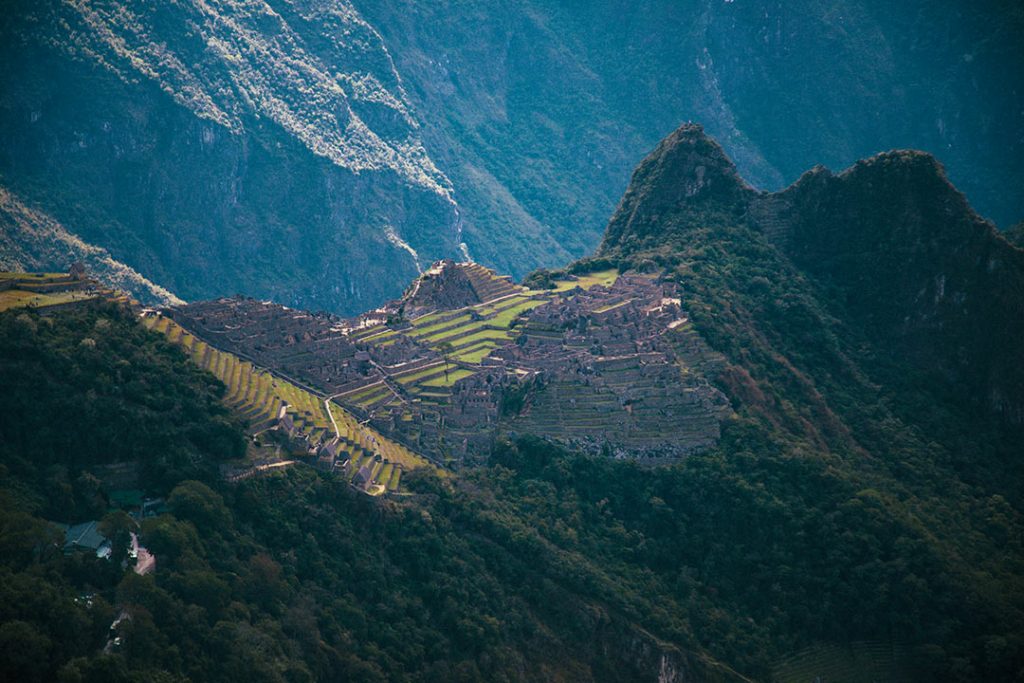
{"x": 850, "y": 499}
{"x": 127, "y": 395}
{"x": 858, "y": 485}
{"x": 592, "y": 264}
{"x": 117, "y": 527}
{"x": 542, "y": 278}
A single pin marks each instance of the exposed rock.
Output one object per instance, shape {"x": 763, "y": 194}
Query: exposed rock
{"x": 263, "y": 146}
{"x": 449, "y": 285}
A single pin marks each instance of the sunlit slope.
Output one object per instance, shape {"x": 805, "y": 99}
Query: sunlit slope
{"x": 372, "y": 461}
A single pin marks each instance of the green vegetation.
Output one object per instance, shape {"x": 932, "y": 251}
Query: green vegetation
{"x": 604, "y": 278}
{"x": 420, "y": 330}
{"x": 857, "y": 519}
{"x": 87, "y": 387}
{"x": 465, "y": 336}
{"x": 42, "y": 290}
{"x": 289, "y": 576}
{"x": 16, "y": 298}
{"x": 414, "y": 375}
{"x": 546, "y": 563}
{"x": 852, "y": 479}
{"x": 378, "y": 336}
{"x": 856, "y": 662}
{"x": 368, "y": 394}
{"x": 505, "y": 316}
{"x": 584, "y": 274}
{"x": 474, "y": 354}
{"x": 254, "y": 393}
{"x": 452, "y": 377}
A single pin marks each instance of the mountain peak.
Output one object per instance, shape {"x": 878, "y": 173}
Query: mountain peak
{"x": 921, "y": 169}
{"x": 688, "y": 176}
{"x": 700, "y": 160}
{"x": 904, "y": 255}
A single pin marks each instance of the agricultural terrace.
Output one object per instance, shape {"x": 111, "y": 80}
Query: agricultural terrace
{"x": 44, "y": 290}
{"x": 424, "y": 369}
{"x": 368, "y": 459}
{"x": 444, "y": 344}
{"x": 857, "y": 662}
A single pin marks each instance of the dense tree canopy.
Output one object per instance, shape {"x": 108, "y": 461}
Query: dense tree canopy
{"x": 848, "y": 500}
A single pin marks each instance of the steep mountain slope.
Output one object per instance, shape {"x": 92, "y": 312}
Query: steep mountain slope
{"x": 870, "y": 321}
{"x": 31, "y": 241}
{"x": 1015, "y": 235}
{"x": 317, "y": 152}
{"x": 527, "y": 101}
{"x": 291, "y": 576}
{"x": 224, "y": 146}
{"x": 894, "y": 247}
{"x": 905, "y": 256}
{"x": 853, "y": 497}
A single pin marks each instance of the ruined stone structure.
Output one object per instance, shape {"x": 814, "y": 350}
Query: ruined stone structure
{"x": 52, "y": 292}
{"x": 611, "y": 375}
{"x": 613, "y": 368}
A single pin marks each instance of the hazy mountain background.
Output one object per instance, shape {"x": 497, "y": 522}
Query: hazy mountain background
{"x": 318, "y": 153}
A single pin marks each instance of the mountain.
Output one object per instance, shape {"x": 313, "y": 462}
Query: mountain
{"x": 605, "y": 362}
{"x": 1015, "y": 235}
{"x": 320, "y": 153}
{"x": 31, "y": 241}
{"x": 869, "y": 319}
{"x": 898, "y": 251}
{"x": 223, "y": 144}
{"x": 702, "y": 454}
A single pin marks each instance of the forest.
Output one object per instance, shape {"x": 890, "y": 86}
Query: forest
{"x": 543, "y": 564}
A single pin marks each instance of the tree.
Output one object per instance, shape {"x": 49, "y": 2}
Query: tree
{"x": 445, "y": 349}
{"x": 26, "y": 652}
{"x": 198, "y": 503}
{"x": 118, "y": 527}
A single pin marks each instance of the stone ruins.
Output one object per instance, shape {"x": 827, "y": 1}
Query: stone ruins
{"x": 466, "y": 355}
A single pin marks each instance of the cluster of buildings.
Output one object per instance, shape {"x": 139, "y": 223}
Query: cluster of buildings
{"x": 612, "y": 367}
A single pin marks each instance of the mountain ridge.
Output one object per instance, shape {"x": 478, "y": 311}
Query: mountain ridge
{"x": 841, "y": 498}
{"x": 354, "y": 142}
{"x": 890, "y": 234}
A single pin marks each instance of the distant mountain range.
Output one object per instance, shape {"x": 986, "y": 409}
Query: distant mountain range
{"x": 321, "y": 153}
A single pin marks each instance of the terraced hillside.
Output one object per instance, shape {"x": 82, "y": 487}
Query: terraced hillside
{"x": 331, "y": 435}
{"x": 447, "y": 284}
{"x": 51, "y": 290}
{"x": 620, "y": 368}
{"x": 596, "y": 359}
{"x": 427, "y": 387}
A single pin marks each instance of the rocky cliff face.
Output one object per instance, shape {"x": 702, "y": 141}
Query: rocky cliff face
{"x": 32, "y": 241}
{"x": 686, "y": 179}
{"x": 525, "y": 103}
{"x": 319, "y": 152}
{"x": 222, "y": 147}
